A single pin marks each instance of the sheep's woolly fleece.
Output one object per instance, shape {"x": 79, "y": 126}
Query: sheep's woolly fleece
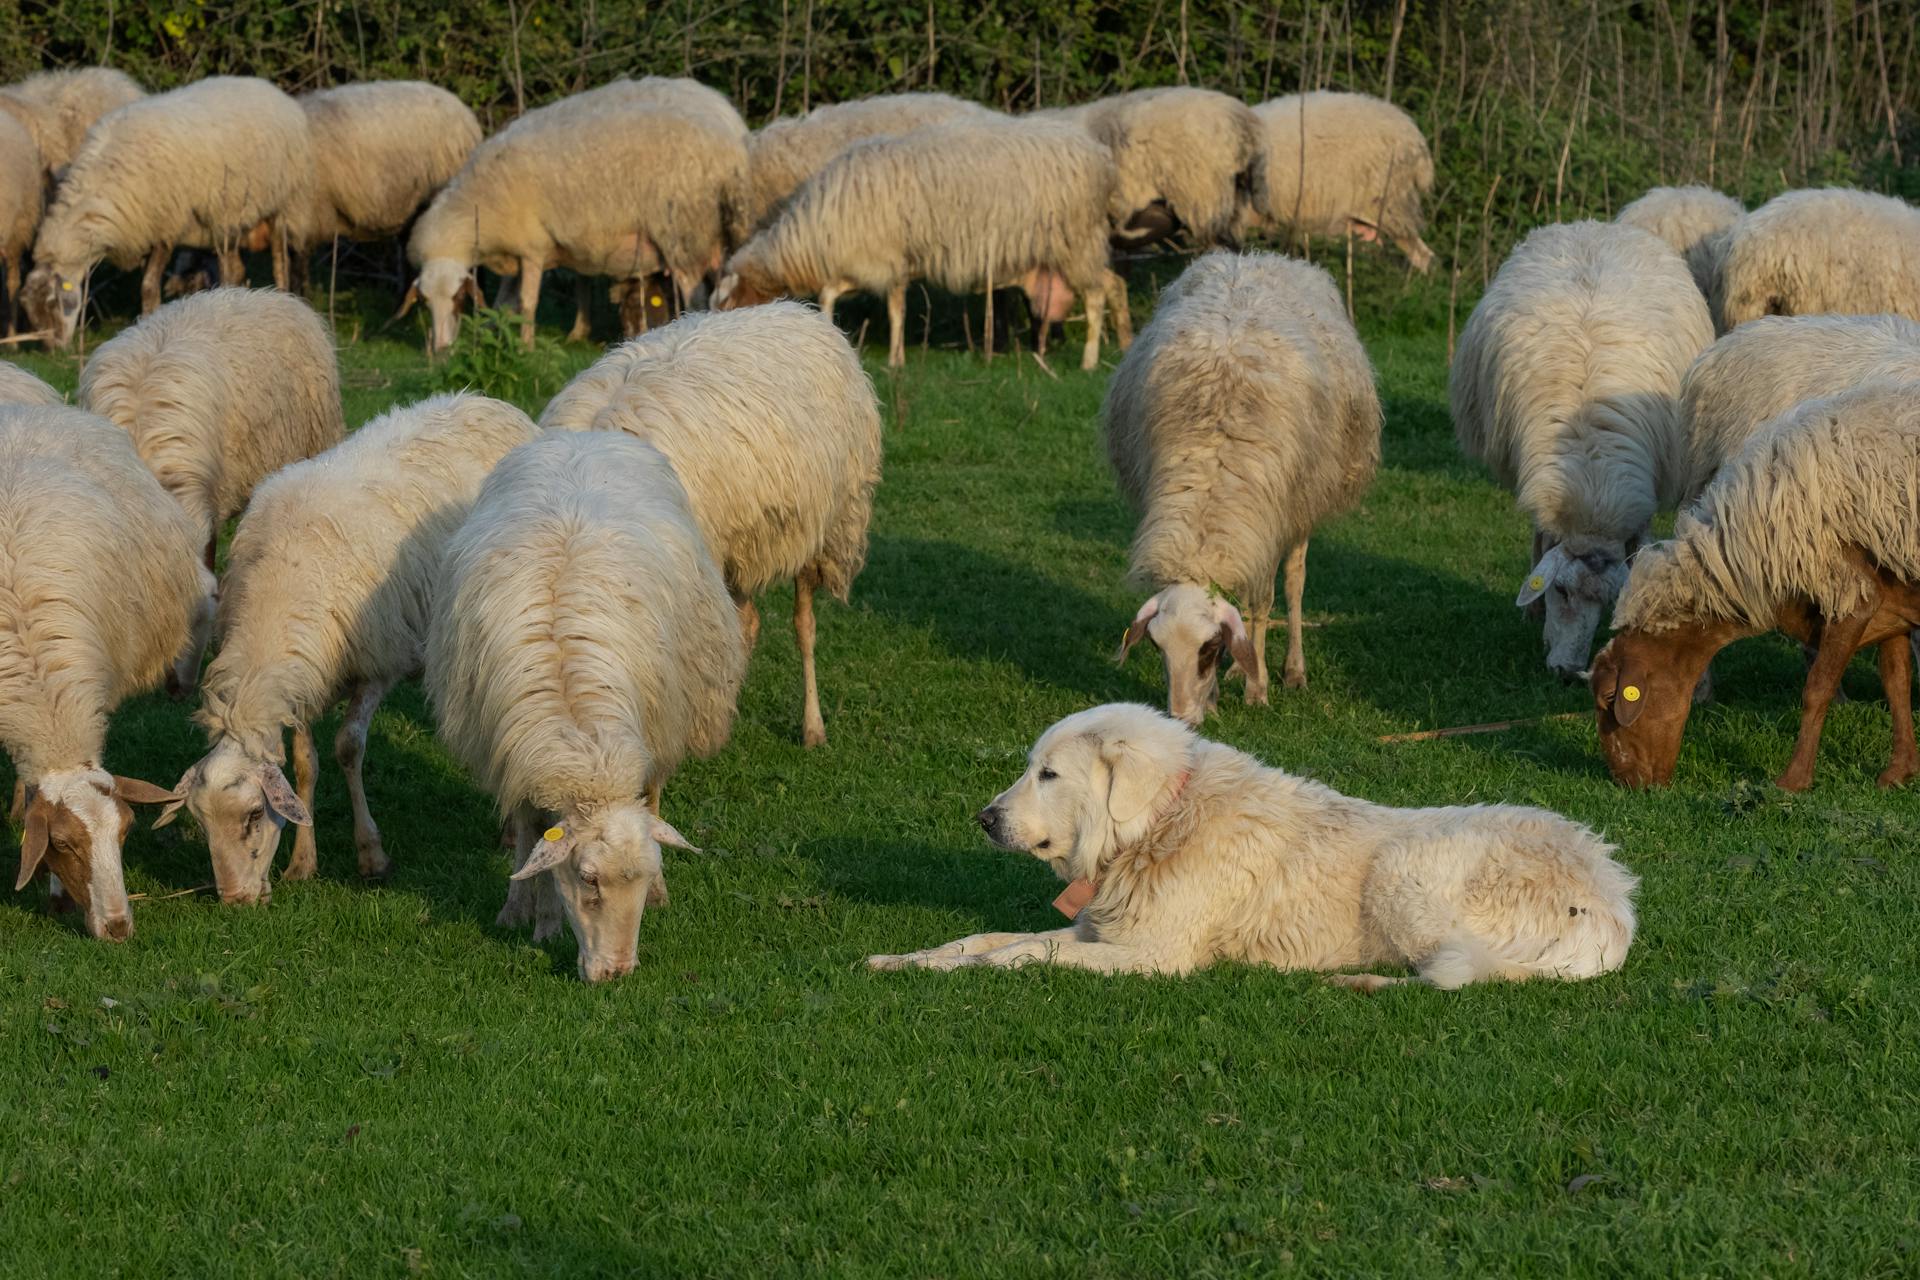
{"x": 1833, "y": 249}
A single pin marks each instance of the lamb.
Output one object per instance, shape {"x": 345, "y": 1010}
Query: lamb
{"x": 326, "y": 594}
{"x": 223, "y": 162}
{"x": 1185, "y": 159}
{"x": 1810, "y": 529}
{"x": 1834, "y": 249}
{"x": 21, "y": 196}
{"x": 1339, "y": 163}
{"x": 967, "y": 205}
{"x": 99, "y": 581}
{"x": 547, "y": 191}
{"x": 581, "y": 646}
{"x": 784, "y": 154}
{"x": 1769, "y": 365}
{"x": 381, "y": 149}
{"x": 772, "y": 426}
{"x": 218, "y": 391}
{"x": 58, "y": 107}
{"x": 1696, "y": 221}
{"x": 17, "y": 386}
{"x": 1566, "y": 384}
{"x": 1245, "y": 416}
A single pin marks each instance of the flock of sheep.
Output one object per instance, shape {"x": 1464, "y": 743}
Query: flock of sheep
{"x": 579, "y": 591}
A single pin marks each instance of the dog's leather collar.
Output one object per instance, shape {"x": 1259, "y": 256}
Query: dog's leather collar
{"x": 1074, "y": 898}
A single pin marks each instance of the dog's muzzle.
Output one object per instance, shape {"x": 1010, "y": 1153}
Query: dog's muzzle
{"x": 990, "y": 819}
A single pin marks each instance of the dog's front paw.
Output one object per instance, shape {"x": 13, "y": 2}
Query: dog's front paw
{"x": 888, "y": 964}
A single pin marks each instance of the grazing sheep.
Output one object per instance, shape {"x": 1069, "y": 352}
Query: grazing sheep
{"x": 1769, "y": 365}
{"x": 606, "y": 183}
{"x": 685, "y": 95}
{"x": 58, "y": 107}
{"x": 581, "y": 645}
{"x": 1346, "y": 162}
{"x": 223, "y": 162}
{"x": 99, "y": 582}
{"x": 1185, "y": 159}
{"x": 1833, "y": 250}
{"x": 21, "y": 196}
{"x": 1810, "y": 529}
{"x": 784, "y": 154}
{"x": 17, "y": 386}
{"x": 1694, "y": 220}
{"x": 381, "y": 150}
{"x": 771, "y": 425}
{"x": 326, "y": 594}
{"x": 968, "y": 205}
{"x": 219, "y": 391}
{"x": 1566, "y": 384}
{"x": 1244, "y": 417}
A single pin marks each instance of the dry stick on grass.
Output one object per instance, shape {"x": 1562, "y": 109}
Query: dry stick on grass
{"x": 1497, "y": 726}
{"x": 178, "y": 893}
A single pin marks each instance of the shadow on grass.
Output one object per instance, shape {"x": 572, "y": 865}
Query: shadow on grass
{"x": 1009, "y": 891}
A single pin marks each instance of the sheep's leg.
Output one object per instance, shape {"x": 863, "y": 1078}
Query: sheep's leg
{"x": 813, "y": 730}
{"x": 282, "y": 268}
{"x": 306, "y": 772}
{"x": 1896, "y": 676}
{"x": 582, "y": 310}
{"x": 233, "y": 268}
{"x": 350, "y": 750}
{"x": 150, "y": 279}
{"x": 529, "y": 300}
{"x": 521, "y": 894}
{"x": 829, "y": 295}
{"x": 749, "y": 623}
{"x": 1839, "y": 639}
{"x": 13, "y": 292}
{"x": 547, "y": 912}
{"x": 1295, "y": 672}
{"x": 1096, "y": 320}
{"x": 1122, "y": 315}
{"x": 897, "y": 325}
{"x": 506, "y": 293}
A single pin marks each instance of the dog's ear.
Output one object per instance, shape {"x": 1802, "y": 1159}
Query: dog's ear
{"x": 1617, "y": 687}
{"x": 1134, "y": 778}
{"x": 1137, "y": 628}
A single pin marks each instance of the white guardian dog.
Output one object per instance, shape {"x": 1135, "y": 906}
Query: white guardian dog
{"x": 1181, "y": 852}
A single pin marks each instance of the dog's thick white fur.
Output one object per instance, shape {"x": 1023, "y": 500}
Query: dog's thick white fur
{"x": 1201, "y": 853}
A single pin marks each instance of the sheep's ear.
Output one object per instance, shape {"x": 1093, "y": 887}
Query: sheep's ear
{"x": 188, "y": 781}
{"x": 1233, "y": 633}
{"x": 552, "y": 850}
{"x": 1133, "y": 779}
{"x": 33, "y": 841}
{"x": 1137, "y": 628}
{"x": 409, "y": 302}
{"x": 280, "y": 796}
{"x": 468, "y": 292}
{"x": 1621, "y": 691}
{"x": 663, "y": 833}
{"x": 1541, "y": 576}
{"x": 134, "y": 791}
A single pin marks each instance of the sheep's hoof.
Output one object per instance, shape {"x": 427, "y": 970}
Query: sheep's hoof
{"x": 1365, "y": 983}
{"x": 1897, "y": 773}
{"x": 299, "y": 869}
{"x": 374, "y": 863}
{"x": 813, "y": 735}
{"x": 1794, "y": 780}
{"x": 1256, "y": 694}
{"x": 515, "y": 915}
{"x": 1294, "y": 679}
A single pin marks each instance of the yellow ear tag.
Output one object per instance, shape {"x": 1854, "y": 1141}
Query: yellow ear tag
{"x": 1631, "y": 693}
{"x": 555, "y": 833}
{"x": 67, "y": 285}
{"x": 1537, "y": 582}
{"x": 656, "y": 301}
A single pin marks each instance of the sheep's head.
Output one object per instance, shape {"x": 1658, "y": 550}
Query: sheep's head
{"x": 242, "y": 801}
{"x": 743, "y": 284}
{"x": 1193, "y": 629}
{"x": 606, "y": 866}
{"x": 1643, "y": 688}
{"x": 446, "y": 285}
{"x": 55, "y": 297}
{"x": 76, "y": 824}
{"x": 1576, "y": 579}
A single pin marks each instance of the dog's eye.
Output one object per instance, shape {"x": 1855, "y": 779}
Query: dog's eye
{"x": 1047, "y": 775}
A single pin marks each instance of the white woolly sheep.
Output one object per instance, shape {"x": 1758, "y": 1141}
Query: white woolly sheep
{"x": 1185, "y": 159}
{"x": 17, "y": 386}
{"x": 1769, "y": 365}
{"x": 219, "y": 391}
{"x": 1245, "y": 416}
{"x": 326, "y": 594}
{"x": 1810, "y": 529}
{"x": 21, "y": 196}
{"x": 58, "y": 107}
{"x": 787, "y": 152}
{"x": 1830, "y": 250}
{"x": 99, "y": 582}
{"x": 381, "y": 150}
{"x": 771, "y": 424}
{"x": 607, "y": 183}
{"x": 581, "y": 646}
{"x": 968, "y": 205}
{"x": 223, "y": 162}
{"x": 1694, "y": 220}
{"x": 1566, "y": 384}
{"x": 1346, "y": 162}
{"x": 685, "y": 95}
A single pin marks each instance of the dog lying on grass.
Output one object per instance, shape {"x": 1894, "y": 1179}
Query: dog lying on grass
{"x": 1183, "y": 852}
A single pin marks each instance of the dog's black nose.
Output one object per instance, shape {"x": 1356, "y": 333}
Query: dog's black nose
{"x": 988, "y": 818}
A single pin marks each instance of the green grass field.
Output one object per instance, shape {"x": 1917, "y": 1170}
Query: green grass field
{"x": 373, "y": 1081}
